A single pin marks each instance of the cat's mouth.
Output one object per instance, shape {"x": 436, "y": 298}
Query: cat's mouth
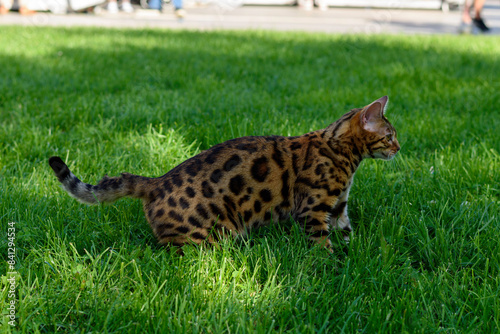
{"x": 388, "y": 156}
{"x": 391, "y": 155}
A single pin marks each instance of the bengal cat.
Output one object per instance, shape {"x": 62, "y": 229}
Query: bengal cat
{"x": 250, "y": 181}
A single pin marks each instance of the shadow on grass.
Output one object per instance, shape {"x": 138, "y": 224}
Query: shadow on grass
{"x": 247, "y": 83}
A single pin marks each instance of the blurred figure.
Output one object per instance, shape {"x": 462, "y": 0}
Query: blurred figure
{"x": 113, "y": 6}
{"x": 6, "y": 5}
{"x": 468, "y": 23}
{"x": 178, "y": 8}
{"x": 309, "y": 4}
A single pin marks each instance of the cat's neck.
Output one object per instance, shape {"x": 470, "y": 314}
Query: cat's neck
{"x": 341, "y": 137}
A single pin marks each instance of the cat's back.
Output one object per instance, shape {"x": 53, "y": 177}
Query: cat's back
{"x": 252, "y": 159}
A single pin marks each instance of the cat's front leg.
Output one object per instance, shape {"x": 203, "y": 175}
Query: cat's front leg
{"x": 316, "y": 226}
{"x": 344, "y": 226}
{"x": 340, "y": 221}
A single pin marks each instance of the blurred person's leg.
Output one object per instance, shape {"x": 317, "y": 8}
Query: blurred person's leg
{"x": 478, "y": 20}
{"x": 478, "y": 7}
{"x": 24, "y": 10}
{"x": 468, "y": 22}
{"x": 466, "y": 13}
{"x": 127, "y": 7}
{"x": 178, "y": 8}
{"x": 155, "y": 4}
{"x": 112, "y": 7}
{"x": 5, "y": 6}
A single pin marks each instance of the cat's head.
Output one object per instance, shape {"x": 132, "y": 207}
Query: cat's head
{"x": 378, "y": 134}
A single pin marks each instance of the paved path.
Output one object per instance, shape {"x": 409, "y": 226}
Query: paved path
{"x": 284, "y": 18}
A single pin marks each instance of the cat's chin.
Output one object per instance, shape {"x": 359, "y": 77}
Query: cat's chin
{"x": 391, "y": 156}
{"x": 386, "y": 156}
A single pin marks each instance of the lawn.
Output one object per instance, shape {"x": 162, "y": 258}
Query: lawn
{"x": 425, "y": 256}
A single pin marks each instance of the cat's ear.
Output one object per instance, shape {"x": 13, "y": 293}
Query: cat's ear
{"x": 372, "y": 113}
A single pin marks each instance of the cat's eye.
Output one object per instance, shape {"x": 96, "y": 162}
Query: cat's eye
{"x": 389, "y": 137}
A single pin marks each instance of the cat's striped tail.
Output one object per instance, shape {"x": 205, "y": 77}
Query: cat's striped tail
{"x": 109, "y": 189}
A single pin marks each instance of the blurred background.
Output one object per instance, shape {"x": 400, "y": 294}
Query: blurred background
{"x": 340, "y": 16}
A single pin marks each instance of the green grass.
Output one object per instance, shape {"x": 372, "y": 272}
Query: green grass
{"x": 425, "y": 257}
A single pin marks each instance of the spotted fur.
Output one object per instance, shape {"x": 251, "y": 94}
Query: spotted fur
{"x": 250, "y": 181}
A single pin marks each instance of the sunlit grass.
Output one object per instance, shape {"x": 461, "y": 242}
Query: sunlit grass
{"x": 425, "y": 256}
